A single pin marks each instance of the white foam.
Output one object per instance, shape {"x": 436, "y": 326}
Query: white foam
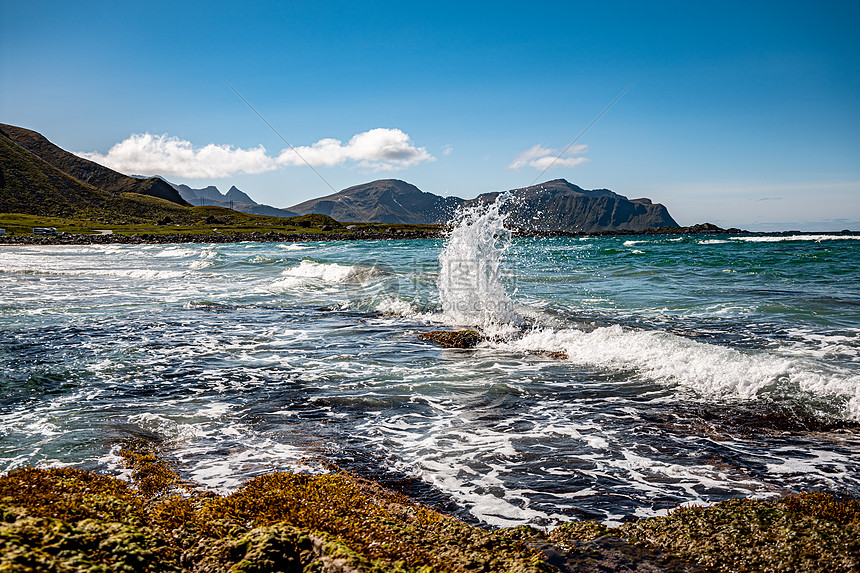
{"x": 334, "y": 272}
{"x": 709, "y": 370}
{"x": 310, "y": 272}
{"x": 166, "y": 426}
{"x": 395, "y": 306}
{"x": 145, "y": 274}
{"x": 200, "y": 264}
{"x": 176, "y": 251}
{"x": 784, "y": 238}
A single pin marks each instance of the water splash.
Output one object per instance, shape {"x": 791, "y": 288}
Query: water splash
{"x": 471, "y": 279}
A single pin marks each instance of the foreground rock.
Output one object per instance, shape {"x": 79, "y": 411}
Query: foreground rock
{"x": 61, "y": 520}
{"x": 72, "y": 520}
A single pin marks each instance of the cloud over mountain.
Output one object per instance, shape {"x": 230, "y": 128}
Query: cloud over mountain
{"x": 145, "y": 153}
{"x": 378, "y": 149}
{"x": 542, "y": 158}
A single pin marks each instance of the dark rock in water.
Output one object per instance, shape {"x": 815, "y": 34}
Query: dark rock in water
{"x": 556, "y": 355}
{"x": 453, "y": 338}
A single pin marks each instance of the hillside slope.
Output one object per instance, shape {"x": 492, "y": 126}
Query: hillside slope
{"x": 87, "y": 171}
{"x": 30, "y": 185}
{"x": 383, "y": 201}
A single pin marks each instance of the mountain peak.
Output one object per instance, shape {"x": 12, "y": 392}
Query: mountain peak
{"x": 383, "y": 201}
{"x": 235, "y": 195}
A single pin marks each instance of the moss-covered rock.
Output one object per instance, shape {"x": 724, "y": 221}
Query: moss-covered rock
{"x": 71, "y": 520}
{"x": 803, "y": 533}
{"x": 63, "y": 520}
{"x": 453, "y": 338}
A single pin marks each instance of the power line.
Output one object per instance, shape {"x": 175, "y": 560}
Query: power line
{"x": 281, "y": 136}
{"x": 618, "y": 97}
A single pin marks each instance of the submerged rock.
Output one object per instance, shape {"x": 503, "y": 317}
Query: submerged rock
{"x": 453, "y": 338}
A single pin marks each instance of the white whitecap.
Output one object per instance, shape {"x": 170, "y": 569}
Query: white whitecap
{"x": 788, "y": 238}
{"x": 709, "y": 370}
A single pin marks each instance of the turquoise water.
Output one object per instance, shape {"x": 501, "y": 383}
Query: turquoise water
{"x": 697, "y": 367}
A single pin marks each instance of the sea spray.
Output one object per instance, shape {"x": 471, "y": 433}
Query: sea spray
{"x": 471, "y": 286}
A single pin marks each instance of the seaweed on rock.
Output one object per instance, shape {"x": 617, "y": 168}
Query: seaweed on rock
{"x": 73, "y": 520}
{"x": 63, "y": 520}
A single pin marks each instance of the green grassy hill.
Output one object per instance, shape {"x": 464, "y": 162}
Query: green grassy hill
{"x": 87, "y": 171}
{"x": 35, "y": 192}
{"x": 29, "y": 185}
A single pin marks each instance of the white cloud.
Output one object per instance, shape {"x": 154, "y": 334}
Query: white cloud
{"x": 149, "y": 154}
{"x": 447, "y": 149}
{"x": 378, "y": 149}
{"x": 541, "y": 158}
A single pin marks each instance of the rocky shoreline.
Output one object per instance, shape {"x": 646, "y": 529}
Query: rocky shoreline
{"x": 63, "y": 520}
{"x": 145, "y": 238}
{"x": 227, "y": 237}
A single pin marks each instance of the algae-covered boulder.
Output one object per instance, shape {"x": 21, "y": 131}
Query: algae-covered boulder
{"x": 453, "y": 338}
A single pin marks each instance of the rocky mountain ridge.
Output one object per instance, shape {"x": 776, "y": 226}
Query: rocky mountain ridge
{"x": 233, "y": 199}
{"x": 551, "y": 206}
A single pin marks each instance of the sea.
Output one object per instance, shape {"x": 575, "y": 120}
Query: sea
{"x": 619, "y": 376}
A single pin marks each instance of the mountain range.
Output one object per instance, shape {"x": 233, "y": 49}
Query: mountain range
{"x": 232, "y": 199}
{"x": 552, "y": 206}
{"x": 39, "y": 178}
{"x": 383, "y": 201}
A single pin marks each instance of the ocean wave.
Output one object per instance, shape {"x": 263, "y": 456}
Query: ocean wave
{"x": 786, "y": 238}
{"x": 145, "y": 274}
{"x": 176, "y": 251}
{"x": 709, "y": 370}
{"x": 310, "y": 272}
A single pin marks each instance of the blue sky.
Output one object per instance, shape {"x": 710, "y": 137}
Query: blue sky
{"x": 741, "y": 113}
